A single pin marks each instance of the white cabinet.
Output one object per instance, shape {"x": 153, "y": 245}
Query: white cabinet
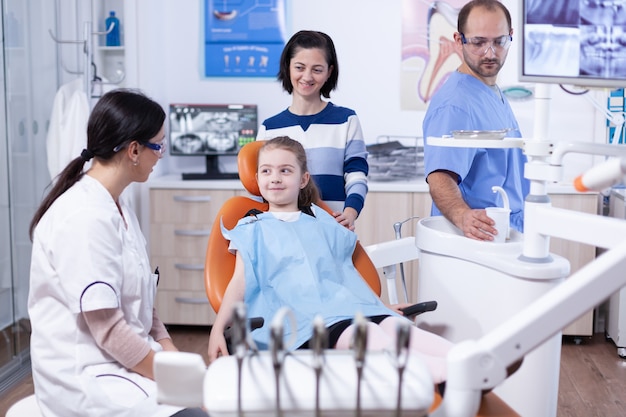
{"x": 616, "y": 314}
{"x": 180, "y": 223}
{"x": 578, "y": 254}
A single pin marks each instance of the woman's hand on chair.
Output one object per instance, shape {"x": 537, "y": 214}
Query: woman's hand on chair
{"x": 347, "y": 218}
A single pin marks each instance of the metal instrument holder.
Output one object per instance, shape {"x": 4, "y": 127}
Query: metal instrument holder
{"x": 355, "y": 381}
{"x": 396, "y": 158}
{"x": 390, "y": 271}
{"x": 87, "y": 70}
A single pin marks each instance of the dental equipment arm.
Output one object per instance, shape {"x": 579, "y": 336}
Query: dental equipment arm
{"x": 387, "y": 255}
{"x": 617, "y": 119}
{"x": 602, "y": 176}
{"x": 477, "y": 365}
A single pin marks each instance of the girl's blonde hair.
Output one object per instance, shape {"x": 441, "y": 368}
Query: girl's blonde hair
{"x": 309, "y": 194}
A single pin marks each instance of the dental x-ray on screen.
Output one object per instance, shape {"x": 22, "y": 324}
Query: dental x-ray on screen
{"x": 578, "y": 42}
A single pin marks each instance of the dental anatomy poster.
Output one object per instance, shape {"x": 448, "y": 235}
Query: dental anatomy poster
{"x": 428, "y": 53}
{"x": 243, "y": 38}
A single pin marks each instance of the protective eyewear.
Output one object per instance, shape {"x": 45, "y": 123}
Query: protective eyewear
{"x": 479, "y": 46}
{"x": 157, "y": 147}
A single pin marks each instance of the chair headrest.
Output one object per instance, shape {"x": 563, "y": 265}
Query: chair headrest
{"x": 247, "y": 165}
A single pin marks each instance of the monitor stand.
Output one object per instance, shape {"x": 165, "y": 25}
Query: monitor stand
{"x": 212, "y": 171}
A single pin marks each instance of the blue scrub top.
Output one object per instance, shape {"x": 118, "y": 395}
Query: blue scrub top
{"x": 466, "y": 103}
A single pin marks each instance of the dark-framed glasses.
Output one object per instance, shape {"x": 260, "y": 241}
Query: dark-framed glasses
{"x": 479, "y": 46}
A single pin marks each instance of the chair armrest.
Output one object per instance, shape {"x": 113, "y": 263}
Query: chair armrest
{"x": 255, "y": 323}
{"x": 179, "y": 378}
{"x": 419, "y": 308}
{"x": 393, "y": 252}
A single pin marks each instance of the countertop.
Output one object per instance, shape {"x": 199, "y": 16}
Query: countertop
{"x": 418, "y": 185}
{"x": 619, "y": 193}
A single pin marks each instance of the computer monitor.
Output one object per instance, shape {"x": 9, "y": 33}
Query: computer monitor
{"x": 211, "y": 130}
{"x": 573, "y": 42}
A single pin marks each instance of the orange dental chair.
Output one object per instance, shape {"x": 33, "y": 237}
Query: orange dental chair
{"x": 220, "y": 264}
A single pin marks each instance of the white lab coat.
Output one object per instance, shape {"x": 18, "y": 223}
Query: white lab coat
{"x": 84, "y": 258}
{"x": 67, "y": 134}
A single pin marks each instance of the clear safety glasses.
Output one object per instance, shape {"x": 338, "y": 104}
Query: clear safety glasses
{"x": 479, "y": 46}
{"x": 159, "y": 148}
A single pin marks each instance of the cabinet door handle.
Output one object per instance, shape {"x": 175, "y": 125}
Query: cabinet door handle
{"x": 192, "y": 198}
{"x": 190, "y": 267}
{"x": 204, "y": 232}
{"x": 191, "y": 300}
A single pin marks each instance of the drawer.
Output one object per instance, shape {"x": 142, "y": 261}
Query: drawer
{"x": 186, "y": 206}
{"x": 179, "y": 240}
{"x": 184, "y": 307}
{"x": 180, "y": 273}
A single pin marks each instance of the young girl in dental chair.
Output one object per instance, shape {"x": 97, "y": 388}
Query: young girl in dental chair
{"x": 297, "y": 255}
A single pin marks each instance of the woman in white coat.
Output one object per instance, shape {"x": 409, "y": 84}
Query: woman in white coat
{"x": 91, "y": 302}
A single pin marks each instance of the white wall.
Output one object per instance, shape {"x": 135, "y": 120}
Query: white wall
{"x": 367, "y": 35}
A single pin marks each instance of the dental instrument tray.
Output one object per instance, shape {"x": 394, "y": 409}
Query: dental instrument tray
{"x": 256, "y": 389}
{"x": 396, "y": 158}
{"x": 480, "y": 134}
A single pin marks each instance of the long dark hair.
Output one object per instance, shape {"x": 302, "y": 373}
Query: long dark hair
{"x": 118, "y": 118}
{"x": 309, "y": 194}
{"x": 309, "y": 39}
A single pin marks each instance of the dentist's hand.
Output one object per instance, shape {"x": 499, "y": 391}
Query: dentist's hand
{"x": 475, "y": 224}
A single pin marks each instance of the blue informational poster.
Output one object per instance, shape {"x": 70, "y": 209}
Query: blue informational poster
{"x": 243, "y": 38}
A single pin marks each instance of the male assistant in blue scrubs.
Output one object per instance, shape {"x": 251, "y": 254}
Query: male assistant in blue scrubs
{"x": 460, "y": 179}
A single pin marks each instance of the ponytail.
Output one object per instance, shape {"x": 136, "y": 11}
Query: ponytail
{"x": 72, "y": 173}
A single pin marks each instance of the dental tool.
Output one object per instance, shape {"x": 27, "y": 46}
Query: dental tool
{"x": 277, "y": 348}
{"x": 318, "y": 343}
{"x": 403, "y": 338}
{"x": 240, "y": 346}
{"x": 360, "y": 347}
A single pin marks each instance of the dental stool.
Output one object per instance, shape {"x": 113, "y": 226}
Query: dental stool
{"x": 26, "y": 407}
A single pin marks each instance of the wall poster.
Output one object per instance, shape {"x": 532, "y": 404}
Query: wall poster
{"x": 243, "y": 38}
{"x": 428, "y": 54}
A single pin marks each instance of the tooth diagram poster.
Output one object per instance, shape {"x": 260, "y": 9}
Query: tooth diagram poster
{"x": 243, "y": 38}
{"x": 428, "y": 54}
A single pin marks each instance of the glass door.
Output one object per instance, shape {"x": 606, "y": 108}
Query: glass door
{"x": 6, "y": 294}
{"x": 29, "y": 83}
